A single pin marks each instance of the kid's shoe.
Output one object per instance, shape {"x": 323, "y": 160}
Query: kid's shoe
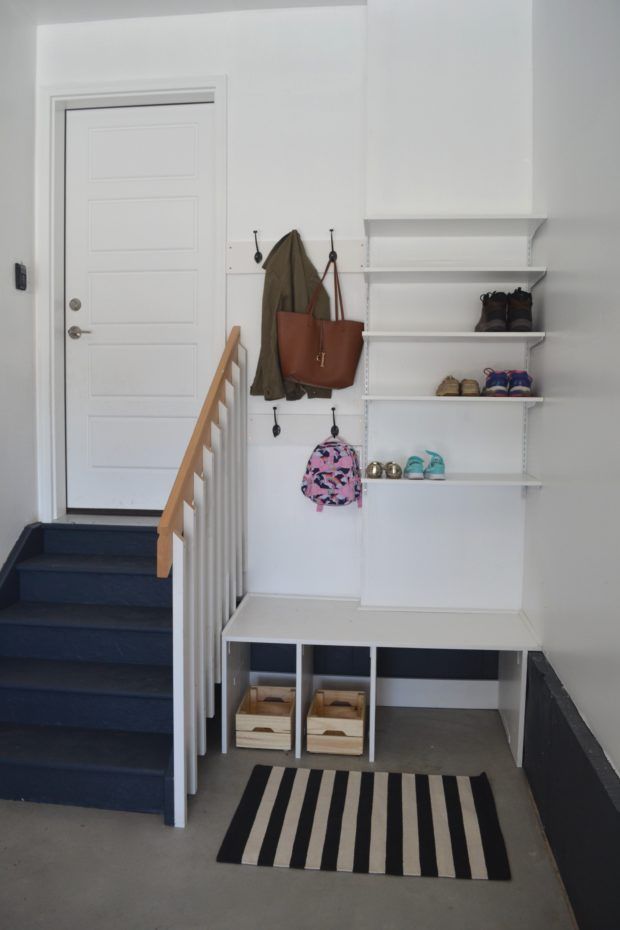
{"x": 414, "y": 469}
{"x": 519, "y": 312}
{"x": 493, "y": 316}
{"x": 470, "y": 387}
{"x": 449, "y": 387}
{"x": 497, "y": 383}
{"x": 520, "y": 384}
{"x": 436, "y": 468}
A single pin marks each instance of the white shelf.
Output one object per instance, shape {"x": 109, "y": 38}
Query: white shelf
{"x": 449, "y": 274}
{"x": 333, "y": 622}
{"x": 386, "y": 336}
{"x": 462, "y": 480}
{"x": 458, "y": 225}
{"x": 433, "y": 399}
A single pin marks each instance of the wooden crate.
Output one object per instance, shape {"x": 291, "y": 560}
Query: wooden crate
{"x": 264, "y": 719}
{"x": 336, "y": 722}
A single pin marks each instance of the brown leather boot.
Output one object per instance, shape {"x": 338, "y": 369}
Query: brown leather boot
{"x": 493, "y": 316}
{"x": 520, "y": 311}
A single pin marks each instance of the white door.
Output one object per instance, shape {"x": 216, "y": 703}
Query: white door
{"x": 140, "y": 297}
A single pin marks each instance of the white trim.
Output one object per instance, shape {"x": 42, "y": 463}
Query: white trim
{"x": 52, "y": 102}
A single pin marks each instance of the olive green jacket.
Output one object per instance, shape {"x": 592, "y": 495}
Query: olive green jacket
{"x": 290, "y": 279}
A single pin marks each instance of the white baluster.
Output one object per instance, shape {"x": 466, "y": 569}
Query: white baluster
{"x": 200, "y": 507}
{"x": 189, "y": 534}
{"x": 179, "y": 572}
{"x": 212, "y": 644}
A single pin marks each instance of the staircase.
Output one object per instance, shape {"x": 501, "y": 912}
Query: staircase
{"x": 86, "y": 670}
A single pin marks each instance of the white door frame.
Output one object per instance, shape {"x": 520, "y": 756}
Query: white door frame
{"x": 52, "y": 103}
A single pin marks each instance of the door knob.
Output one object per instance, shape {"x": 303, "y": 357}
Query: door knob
{"x": 75, "y": 303}
{"x": 75, "y": 332}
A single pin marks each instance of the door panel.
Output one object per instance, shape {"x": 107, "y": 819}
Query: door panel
{"x": 140, "y": 248}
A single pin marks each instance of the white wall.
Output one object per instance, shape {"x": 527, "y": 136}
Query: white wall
{"x": 572, "y": 582}
{"x": 295, "y": 159}
{"x": 447, "y": 128}
{"x": 449, "y": 106}
{"x": 18, "y": 504}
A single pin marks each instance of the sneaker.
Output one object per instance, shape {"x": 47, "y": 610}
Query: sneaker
{"x": 414, "y": 468}
{"x": 449, "y": 387}
{"x": 520, "y": 384}
{"x": 496, "y": 384}
{"x": 493, "y": 316}
{"x": 436, "y": 468}
{"x": 520, "y": 311}
{"x": 470, "y": 387}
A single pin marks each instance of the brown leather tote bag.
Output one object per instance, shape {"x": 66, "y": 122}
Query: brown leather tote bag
{"x": 320, "y": 353}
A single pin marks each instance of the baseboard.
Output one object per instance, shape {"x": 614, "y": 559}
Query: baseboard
{"x": 405, "y": 692}
{"x": 577, "y": 793}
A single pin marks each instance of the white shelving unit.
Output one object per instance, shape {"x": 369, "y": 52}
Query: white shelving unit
{"x": 463, "y": 225}
{"x": 531, "y": 338}
{"x": 306, "y": 622}
{"x": 433, "y": 399}
{"x": 528, "y": 276}
{"x": 459, "y": 480}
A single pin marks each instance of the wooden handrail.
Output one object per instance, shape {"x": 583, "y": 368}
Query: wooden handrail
{"x": 171, "y": 520}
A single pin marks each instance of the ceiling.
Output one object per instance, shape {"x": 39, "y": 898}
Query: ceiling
{"x": 70, "y": 11}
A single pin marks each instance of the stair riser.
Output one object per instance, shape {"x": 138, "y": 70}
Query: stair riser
{"x": 84, "y": 645}
{"x": 95, "y": 588}
{"x": 75, "y": 541}
{"x": 106, "y": 790}
{"x": 78, "y": 709}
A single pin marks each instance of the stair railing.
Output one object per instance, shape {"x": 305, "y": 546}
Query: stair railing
{"x": 202, "y": 537}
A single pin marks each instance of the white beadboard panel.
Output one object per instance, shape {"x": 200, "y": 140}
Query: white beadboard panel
{"x": 131, "y": 297}
{"x": 462, "y": 548}
{"x": 297, "y": 428}
{"x": 292, "y": 549}
{"x": 142, "y": 370}
{"x": 137, "y": 152}
{"x": 143, "y": 224}
{"x": 138, "y": 442}
{"x": 351, "y": 254}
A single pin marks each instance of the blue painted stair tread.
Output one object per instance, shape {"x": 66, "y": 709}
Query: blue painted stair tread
{"x": 102, "y": 678}
{"x": 90, "y": 616}
{"x": 93, "y": 579}
{"x": 86, "y": 669}
{"x": 71, "y": 746}
{"x": 87, "y": 768}
{"x": 101, "y": 564}
{"x": 87, "y": 633}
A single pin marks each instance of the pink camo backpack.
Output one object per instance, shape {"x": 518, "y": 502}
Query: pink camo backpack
{"x": 332, "y": 477}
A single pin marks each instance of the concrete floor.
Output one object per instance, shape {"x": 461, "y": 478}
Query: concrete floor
{"x": 77, "y": 869}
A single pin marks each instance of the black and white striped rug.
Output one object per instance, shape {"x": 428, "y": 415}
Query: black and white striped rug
{"x": 379, "y": 822}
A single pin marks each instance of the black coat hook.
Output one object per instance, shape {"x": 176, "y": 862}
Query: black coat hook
{"x": 276, "y": 429}
{"x": 334, "y": 430}
{"x": 258, "y": 255}
{"x": 333, "y": 255}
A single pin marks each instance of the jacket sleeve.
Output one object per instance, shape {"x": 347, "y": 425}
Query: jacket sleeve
{"x": 268, "y": 378}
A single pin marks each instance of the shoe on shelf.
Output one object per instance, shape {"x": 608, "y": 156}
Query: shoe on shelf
{"x": 414, "y": 469}
{"x": 519, "y": 312}
{"x": 470, "y": 387}
{"x": 520, "y": 384}
{"x": 497, "y": 383}
{"x": 493, "y": 316}
{"x": 449, "y": 387}
{"x": 436, "y": 468}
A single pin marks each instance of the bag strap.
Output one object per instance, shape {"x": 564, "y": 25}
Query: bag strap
{"x": 337, "y": 292}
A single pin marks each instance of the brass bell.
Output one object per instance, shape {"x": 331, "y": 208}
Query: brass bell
{"x": 374, "y": 470}
{"x": 393, "y": 470}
